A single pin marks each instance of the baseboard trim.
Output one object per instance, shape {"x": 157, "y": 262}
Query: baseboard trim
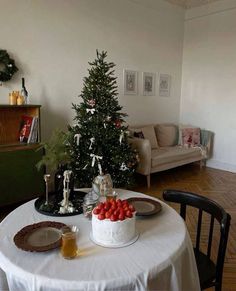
{"x": 221, "y": 165}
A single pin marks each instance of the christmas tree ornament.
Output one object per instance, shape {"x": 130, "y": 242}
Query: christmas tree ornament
{"x": 117, "y": 123}
{"x": 121, "y": 136}
{"x": 77, "y": 137}
{"x": 91, "y": 102}
{"x": 94, "y": 158}
{"x": 92, "y": 140}
{"x": 123, "y": 167}
{"x": 90, "y": 110}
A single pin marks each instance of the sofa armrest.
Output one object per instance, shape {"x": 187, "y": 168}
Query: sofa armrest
{"x": 143, "y": 148}
{"x": 207, "y": 142}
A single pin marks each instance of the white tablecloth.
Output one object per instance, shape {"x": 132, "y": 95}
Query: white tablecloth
{"x": 161, "y": 259}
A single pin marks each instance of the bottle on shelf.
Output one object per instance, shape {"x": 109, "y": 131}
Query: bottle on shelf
{"x": 24, "y": 92}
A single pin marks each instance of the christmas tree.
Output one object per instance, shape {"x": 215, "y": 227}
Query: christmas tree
{"x": 98, "y": 142}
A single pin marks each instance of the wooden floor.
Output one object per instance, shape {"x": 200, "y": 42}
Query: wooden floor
{"x": 215, "y": 184}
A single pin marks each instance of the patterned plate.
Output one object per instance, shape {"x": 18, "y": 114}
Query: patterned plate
{"x": 39, "y": 237}
{"x": 145, "y": 206}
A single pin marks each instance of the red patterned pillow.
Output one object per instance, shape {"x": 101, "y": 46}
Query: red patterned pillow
{"x": 190, "y": 136}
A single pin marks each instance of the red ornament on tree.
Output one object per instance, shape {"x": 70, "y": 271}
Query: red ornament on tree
{"x": 91, "y": 102}
{"x": 118, "y": 123}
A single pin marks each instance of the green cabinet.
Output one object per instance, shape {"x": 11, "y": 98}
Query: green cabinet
{"x": 19, "y": 178}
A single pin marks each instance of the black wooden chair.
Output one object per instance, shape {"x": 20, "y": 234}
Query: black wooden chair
{"x": 210, "y": 273}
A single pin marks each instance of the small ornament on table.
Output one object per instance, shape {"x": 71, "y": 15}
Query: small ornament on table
{"x": 102, "y": 184}
{"x": 90, "y": 201}
{"x": 66, "y": 204}
{"x": 58, "y": 180}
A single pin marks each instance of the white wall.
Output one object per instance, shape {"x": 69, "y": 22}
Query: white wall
{"x": 53, "y": 40}
{"x": 209, "y": 77}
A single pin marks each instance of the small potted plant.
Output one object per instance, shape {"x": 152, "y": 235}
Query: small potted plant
{"x": 56, "y": 157}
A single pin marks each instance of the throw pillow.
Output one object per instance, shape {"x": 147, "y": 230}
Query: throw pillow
{"x": 190, "y": 136}
{"x": 149, "y": 133}
{"x": 138, "y": 134}
{"x": 167, "y": 135}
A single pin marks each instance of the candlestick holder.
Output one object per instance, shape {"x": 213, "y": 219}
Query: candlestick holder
{"x": 66, "y": 204}
{"x": 47, "y": 205}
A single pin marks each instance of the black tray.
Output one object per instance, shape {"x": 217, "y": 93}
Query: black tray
{"x": 54, "y": 207}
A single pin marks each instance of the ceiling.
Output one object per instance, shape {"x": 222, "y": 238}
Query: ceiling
{"x": 191, "y": 3}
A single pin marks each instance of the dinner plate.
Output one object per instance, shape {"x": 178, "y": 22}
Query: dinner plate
{"x": 145, "y": 206}
{"x": 39, "y": 237}
{"x": 133, "y": 240}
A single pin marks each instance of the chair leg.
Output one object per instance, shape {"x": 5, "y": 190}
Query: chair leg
{"x": 148, "y": 180}
{"x": 218, "y": 287}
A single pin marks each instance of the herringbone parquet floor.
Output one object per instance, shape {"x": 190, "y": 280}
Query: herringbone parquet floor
{"x": 215, "y": 184}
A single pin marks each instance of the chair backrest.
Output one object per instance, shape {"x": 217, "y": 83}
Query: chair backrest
{"x": 216, "y": 212}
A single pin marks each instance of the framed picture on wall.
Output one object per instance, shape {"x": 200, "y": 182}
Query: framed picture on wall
{"x": 164, "y": 85}
{"x": 130, "y": 82}
{"x": 149, "y": 84}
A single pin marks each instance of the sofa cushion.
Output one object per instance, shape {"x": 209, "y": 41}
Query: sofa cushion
{"x": 190, "y": 136}
{"x": 167, "y": 134}
{"x": 164, "y": 155}
{"x": 149, "y": 133}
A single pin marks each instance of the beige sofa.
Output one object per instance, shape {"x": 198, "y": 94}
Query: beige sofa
{"x": 159, "y": 148}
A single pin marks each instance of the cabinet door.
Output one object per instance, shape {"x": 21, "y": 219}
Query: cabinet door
{"x": 19, "y": 178}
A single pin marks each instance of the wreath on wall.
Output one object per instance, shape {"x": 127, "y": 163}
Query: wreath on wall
{"x": 7, "y": 66}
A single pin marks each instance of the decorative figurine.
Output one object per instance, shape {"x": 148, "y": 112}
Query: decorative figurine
{"x": 102, "y": 184}
{"x": 66, "y": 205}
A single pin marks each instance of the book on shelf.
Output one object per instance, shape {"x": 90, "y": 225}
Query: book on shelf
{"x": 29, "y": 129}
{"x": 34, "y": 131}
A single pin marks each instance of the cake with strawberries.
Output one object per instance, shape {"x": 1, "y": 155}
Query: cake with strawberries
{"x": 113, "y": 223}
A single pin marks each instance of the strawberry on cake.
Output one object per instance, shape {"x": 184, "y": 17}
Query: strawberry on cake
{"x": 113, "y": 223}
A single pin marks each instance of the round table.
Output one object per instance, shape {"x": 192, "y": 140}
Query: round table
{"x": 161, "y": 259}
